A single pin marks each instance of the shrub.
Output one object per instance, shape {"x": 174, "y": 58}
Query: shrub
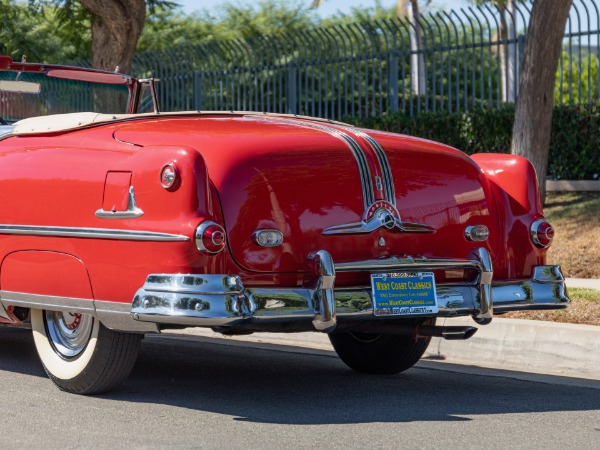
{"x": 574, "y": 142}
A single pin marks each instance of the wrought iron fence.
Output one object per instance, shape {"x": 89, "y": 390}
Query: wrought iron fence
{"x": 467, "y": 58}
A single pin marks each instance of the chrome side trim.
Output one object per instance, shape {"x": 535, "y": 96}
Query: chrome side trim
{"x": 357, "y": 151}
{"x": 91, "y": 233}
{"x": 48, "y": 302}
{"x": 117, "y": 316}
{"x": 131, "y": 212}
{"x": 114, "y": 315}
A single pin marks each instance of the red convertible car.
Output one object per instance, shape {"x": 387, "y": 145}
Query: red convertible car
{"x": 129, "y": 220}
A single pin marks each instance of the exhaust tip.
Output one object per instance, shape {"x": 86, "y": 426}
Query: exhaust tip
{"x": 458, "y": 333}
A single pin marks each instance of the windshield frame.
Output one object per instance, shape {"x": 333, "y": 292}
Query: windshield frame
{"x": 84, "y": 74}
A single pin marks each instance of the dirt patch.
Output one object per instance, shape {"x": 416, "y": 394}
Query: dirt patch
{"x": 584, "y": 309}
{"x": 576, "y": 219}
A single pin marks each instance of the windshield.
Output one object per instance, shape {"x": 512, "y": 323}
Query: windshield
{"x": 58, "y": 95}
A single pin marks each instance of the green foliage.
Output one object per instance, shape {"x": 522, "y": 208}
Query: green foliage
{"x": 42, "y": 36}
{"x": 58, "y": 31}
{"x": 576, "y": 78}
{"x": 477, "y": 131}
{"x": 169, "y": 27}
{"x": 362, "y": 14}
{"x": 584, "y": 295}
{"x": 266, "y": 17}
{"x": 574, "y": 144}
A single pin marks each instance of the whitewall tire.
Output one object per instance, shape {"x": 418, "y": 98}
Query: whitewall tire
{"x": 79, "y": 354}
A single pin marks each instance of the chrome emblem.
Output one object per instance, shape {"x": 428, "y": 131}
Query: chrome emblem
{"x": 380, "y": 214}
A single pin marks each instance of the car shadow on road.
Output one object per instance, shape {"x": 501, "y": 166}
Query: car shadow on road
{"x": 269, "y": 386}
{"x": 17, "y": 352}
{"x": 261, "y": 384}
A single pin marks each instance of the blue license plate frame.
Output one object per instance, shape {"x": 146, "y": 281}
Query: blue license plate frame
{"x": 404, "y": 294}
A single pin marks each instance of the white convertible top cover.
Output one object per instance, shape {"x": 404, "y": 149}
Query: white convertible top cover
{"x": 64, "y": 122}
{"x": 73, "y": 121}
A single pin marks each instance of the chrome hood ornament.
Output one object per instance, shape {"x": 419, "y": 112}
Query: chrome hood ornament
{"x": 380, "y": 214}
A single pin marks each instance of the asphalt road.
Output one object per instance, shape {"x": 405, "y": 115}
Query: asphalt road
{"x": 187, "y": 393}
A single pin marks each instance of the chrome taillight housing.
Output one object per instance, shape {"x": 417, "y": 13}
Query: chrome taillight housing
{"x": 169, "y": 177}
{"x": 210, "y": 237}
{"x": 542, "y": 233}
{"x": 477, "y": 233}
{"x": 267, "y": 238}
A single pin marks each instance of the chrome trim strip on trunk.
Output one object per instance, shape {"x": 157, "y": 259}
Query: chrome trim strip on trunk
{"x": 384, "y": 164}
{"x": 91, "y": 233}
{"x": 357, "y": 151}
{"x": 407, "y": 263}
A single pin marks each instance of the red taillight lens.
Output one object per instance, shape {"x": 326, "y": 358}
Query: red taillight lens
{"x": 542, "y": 233}
{"x": 210, "y": 237}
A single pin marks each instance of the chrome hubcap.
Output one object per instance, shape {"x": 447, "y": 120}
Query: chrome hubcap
{"x": 69, "y": 333}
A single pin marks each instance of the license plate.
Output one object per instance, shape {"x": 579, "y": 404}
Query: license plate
{"x": 400, "y": 294}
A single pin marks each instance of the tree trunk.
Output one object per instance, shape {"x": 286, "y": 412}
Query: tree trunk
{"x": 533, "y": 115}
{"x": 507, "y": 51}
{"x": 417, "y": 60}
{"x": 116, "y": 29}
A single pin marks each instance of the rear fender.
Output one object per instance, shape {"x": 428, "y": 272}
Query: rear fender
{"x": 514, "y": 185}
{"x": 45, "y": 279}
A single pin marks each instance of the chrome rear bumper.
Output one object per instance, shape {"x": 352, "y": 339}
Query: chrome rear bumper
{"x": 221, "y": 301}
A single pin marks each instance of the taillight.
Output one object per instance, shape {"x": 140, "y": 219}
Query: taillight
{"x": 542, "y": 233}
{"x": 210, "y": 237}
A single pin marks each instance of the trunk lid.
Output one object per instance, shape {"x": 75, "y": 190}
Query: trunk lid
{"x": 313, "y": 180}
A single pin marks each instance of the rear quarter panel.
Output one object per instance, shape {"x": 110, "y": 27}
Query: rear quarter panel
{"x": 58, "y": 181}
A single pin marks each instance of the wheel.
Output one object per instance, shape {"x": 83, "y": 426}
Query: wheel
{"x": 379, "y": 353}
{"x": 79, "y": 354}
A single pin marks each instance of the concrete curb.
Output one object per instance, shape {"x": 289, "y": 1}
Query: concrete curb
{"x": 572, "y": 185}
{"x": 588, "y": 283}
{"x": 525, "y": 345}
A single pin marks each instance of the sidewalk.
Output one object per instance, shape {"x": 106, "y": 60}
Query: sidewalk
{"x": 589, "y": 283}
{"x": 510, "y": 344}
